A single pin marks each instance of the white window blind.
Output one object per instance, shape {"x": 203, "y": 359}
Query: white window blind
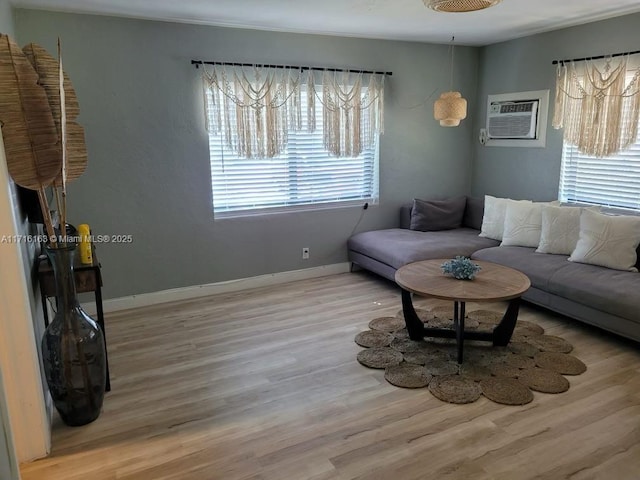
{"x": 612, "y": 181}
{"x": 305, "y": 176}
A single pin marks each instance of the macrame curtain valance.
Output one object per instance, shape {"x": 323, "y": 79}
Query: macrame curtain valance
{"x": 255, "y": 109}
{"x": 598, "y": 108}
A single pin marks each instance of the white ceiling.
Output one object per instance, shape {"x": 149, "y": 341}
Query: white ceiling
{"x": 388, "y": 19}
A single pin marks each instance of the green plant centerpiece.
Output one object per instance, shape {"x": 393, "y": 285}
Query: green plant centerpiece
{"x": 461, "y": 268}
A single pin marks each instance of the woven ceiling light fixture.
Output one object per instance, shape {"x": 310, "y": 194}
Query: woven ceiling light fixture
{"x": 450, "y": 108}
{"x": 459, "y": 6}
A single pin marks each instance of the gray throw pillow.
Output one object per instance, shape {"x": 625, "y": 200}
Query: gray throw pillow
{"x": 473, "y": 213}
{"x": 434, "y": 215}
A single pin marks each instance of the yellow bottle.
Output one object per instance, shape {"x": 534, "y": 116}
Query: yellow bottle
{"x": 86, "y": 256}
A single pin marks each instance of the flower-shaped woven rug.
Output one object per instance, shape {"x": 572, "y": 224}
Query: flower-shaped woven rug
{"x": 507, "y": 375}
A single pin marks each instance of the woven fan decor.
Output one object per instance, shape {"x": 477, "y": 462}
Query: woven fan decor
{"x": 505, "y": 375}
{"x": 44, "y": 146}
{"x": 47, "y": 69}
{"x": 30, "y": 136}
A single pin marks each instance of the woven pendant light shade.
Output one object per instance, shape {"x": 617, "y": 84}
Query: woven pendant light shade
{"x": 459, "y": 6}
{"x": 450, "y": 108}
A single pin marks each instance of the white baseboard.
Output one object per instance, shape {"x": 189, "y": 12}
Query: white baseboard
{"x": 196, "y": 291}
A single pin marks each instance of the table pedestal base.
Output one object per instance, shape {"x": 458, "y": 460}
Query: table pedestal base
{"x": 500, "y": 335}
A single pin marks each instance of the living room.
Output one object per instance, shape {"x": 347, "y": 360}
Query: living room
{"x": 149, "y": 177}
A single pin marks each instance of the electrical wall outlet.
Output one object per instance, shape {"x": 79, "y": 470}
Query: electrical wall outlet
{"x": 305, "y": 253}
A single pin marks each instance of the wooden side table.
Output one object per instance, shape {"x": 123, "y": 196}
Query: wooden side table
{"x": 87, "y": 279}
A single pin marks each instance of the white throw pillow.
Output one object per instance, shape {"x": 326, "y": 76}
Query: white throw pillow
{"x": 495, "y": 210}
{"x": 560, "y": 229}
{"x": 607, "y": 240}
{"x": 523, "y": 223}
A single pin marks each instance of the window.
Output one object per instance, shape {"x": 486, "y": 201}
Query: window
{"x": 305, "y": 176}
{"x": 612, "y": 181}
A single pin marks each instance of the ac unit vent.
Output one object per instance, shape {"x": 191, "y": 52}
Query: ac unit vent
{"x": 512, "y": 120}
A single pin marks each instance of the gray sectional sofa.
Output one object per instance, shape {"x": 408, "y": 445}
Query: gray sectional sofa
{"x": 606, "y": 298}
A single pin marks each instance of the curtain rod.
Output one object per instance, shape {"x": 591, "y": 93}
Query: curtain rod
{"x": 598, "y": 57}
{"x": 197, "y": 63}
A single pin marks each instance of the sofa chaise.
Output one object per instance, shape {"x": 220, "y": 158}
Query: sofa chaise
{"x": 600, "y": 296}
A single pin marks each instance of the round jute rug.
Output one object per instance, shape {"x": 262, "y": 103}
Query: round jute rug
{"x": 475, "y": 372}
{"x": 549, "y": 343}
{"x": 424, "y": 315}
{"x": 381, "y": 357}
{"x": 455, "y": 389}
{"x": 373, "y": 338}
{"x": 407, "y": 376}
{"x": 532, "y": 361}
{"x": 524, "y": 348}
{"x": 485, "y": 316}
{"x": 386, "y": 324}
{"x": 503, "y": 370}
{"x": 560, "y": 362}
{"x": 508, "y": 391}
{"x": 543, "y": 380}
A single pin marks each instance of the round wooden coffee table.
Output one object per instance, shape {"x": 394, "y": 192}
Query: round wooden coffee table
{"x": 493, "y": 283}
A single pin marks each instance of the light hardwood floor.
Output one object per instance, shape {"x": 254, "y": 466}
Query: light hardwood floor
{"x": 264, "y": 384}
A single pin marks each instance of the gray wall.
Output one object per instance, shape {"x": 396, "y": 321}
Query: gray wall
{"x": 148, "y": 171}
{"x": 6, "y": 18}
{"x": 525, "y": 64}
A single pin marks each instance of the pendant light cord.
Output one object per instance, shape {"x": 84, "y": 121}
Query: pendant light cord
{"x": 452, "y": 57}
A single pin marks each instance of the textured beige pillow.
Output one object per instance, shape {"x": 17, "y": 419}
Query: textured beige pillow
{"x": 523, "y": 223}
{"x": 560, "y": 229}
{"x": 495, "y": 210}
{"x": 607, "y": 240}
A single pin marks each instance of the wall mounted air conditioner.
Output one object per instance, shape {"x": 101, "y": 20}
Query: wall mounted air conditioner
{"x": 508, "y": 119}
{"x": 516, "y": 119}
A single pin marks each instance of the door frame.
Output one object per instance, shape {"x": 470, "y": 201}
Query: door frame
{"x": 19, "y": 360}
{"x": 8, "y": 454}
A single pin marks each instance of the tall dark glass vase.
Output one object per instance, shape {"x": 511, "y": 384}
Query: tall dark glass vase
{"x": 73, "y": 349}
